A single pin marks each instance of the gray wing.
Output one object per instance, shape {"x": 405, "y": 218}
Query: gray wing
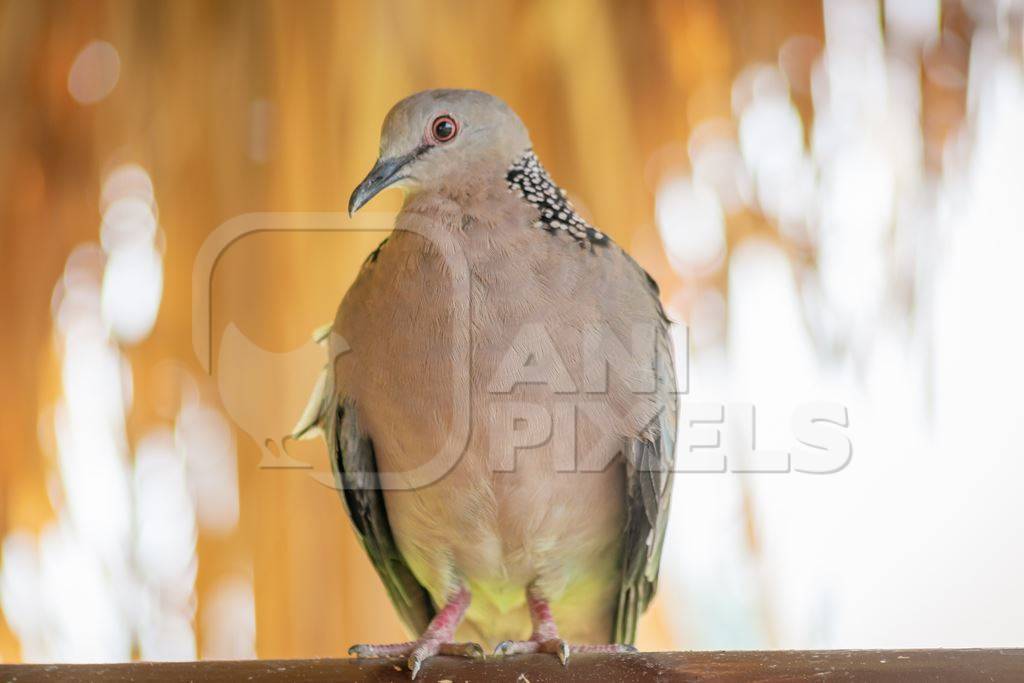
{"x": 355, "y": 474}
{"x": 355, "y": 470}
{"x": 648, "y": 461}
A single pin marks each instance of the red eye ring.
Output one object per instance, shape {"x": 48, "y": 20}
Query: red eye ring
{"x": 444, "y": 128}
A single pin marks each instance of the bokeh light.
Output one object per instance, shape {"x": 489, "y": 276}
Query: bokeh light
{"x": 94, "y": 72}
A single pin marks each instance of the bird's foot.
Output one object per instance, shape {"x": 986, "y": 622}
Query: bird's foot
{"x": 418, "y": 651}
{"x": 555, "y": 646}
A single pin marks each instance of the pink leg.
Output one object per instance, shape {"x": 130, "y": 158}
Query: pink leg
{"x": 436, "y": 640}
{"x": 544, "y": 627}
{"x": 545, "y": 634}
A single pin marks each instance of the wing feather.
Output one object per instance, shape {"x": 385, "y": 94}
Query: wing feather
{"x": 355, "y": 472}
{"x": 648, "y": 459}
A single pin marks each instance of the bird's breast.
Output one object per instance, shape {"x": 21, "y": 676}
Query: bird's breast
{"x": 474, "y": 387}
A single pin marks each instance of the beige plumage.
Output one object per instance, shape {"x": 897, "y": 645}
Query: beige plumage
{"x": 488, "y": 318}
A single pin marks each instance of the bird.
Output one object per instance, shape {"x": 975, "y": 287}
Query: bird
{"x": 499, "y": 399}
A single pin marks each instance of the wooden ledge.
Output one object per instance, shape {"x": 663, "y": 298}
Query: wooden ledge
{"x": 775, "y": 666}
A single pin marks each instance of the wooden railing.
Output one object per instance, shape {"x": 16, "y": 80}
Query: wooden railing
{"x": 767, "y": 666}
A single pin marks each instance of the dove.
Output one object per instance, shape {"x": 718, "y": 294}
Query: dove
{"x": 499, "y": 399}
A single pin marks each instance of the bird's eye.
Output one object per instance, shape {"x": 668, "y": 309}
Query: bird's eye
{"x": 444, "y": 128}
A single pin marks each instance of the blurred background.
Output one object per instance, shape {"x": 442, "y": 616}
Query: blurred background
{"x": 830, "y": 194}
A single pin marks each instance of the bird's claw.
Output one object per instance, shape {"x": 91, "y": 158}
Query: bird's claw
{"x": 431, "y": 648}
{"x": 417, "y": 652}
{"x": 563, "y": 652}
{"x": 414, "y": 663}
{"x": 556, "y": 646}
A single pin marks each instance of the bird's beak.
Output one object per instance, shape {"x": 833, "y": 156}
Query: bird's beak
{"x": 384, "y": 173}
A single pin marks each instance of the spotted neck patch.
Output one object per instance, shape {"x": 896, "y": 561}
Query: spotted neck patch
{"x": 530, "y": 181}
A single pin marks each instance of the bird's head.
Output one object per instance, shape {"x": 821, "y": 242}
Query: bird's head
{"x": 437, "y": 137}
